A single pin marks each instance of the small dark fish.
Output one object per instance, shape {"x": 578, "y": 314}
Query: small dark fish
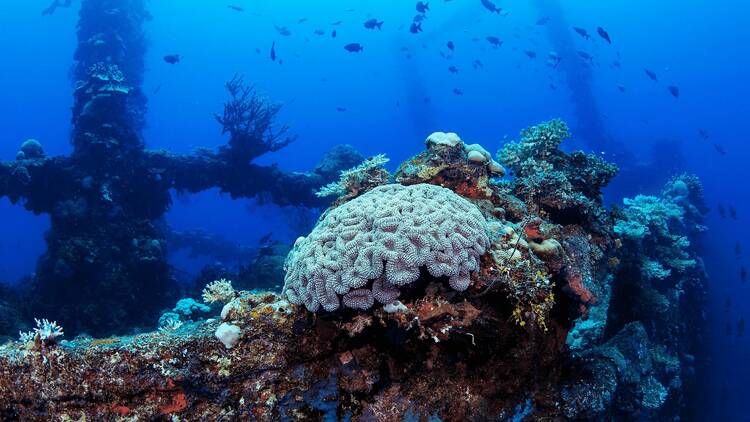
{"x": 337, "y": 23}
{"x": 319, "y": 32}
{"x": 617, "y": 64}
{"x": 722, "y": 212}
{"x": 283, "y": 30}
{"x": 340, "y": 109}
{"x": 727, "y": 304}
{"x": 729, "y": 329}
{"x": 302, "y": 20}
{"x": 172, "y": 58}
{"x": 553, "y": 59}
{"x": 443, "y": 55}
{"x": 415, "y": 28}
{"x": 158, "y": 88}
{"x": 373, "y": 23}
{"x": 423, "y": 7}
{"x": 602, "y": 33}
{"x": 651, "y": 74}
{"x": 450, "y": 46}
{"x": 354, "y": 47}
{"x": 741, "y": 327}
{"x": 457, "y": 91}
{"x": 333, "y": 34}
{"x": 257, "y": 51}
{"x": 489, "y": 5}
{"x": 553, "y": 87}
{"x": 621, "y": 88}
{"x": 419, "y": 18}
{"x": 743, "y": 274}
{"x": 738, "y": 249}
{"x": 530, "y": 54}
{"x": 720, "y": 149}
{"x": 733, "y": 213}
{"x": 477, "y": 64}
{"x": 675, "y": 91}
{"x": 427, "y": 100}
{"x": 495, "y": 41}
{"x": 582, "y": 32}
{"x": 543, "y": 21}
{"x": 236, "y": 8}
{"x": 273, "y": 51}
{"x": 703, "y": 134}
{"x": 586, "y": 56}
{"x": 453, "y": 69}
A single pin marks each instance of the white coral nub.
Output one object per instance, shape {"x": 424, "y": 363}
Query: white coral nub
{"x": 219, "y": 291}
{"x": 47, "y": 332}
{"x": 364, "y": 250}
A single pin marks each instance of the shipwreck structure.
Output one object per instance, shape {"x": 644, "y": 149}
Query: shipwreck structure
{"x": 439, "y": 292}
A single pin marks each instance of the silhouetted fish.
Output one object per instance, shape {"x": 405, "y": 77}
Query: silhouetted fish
{"x": 319, "y": 32}
{"x": 617, "y": 64}
{"x": 722, "y": 212}
{"x": 236, "y": 8}
{"x": 450, "y": 46}
{"x": 55, "y": 4}
{"x": 720, "y": 149}
{"x": 477, "y": 64}
{"x": 651, "y": 74}
{"x": 553, "y": 86}
{"x": 703, "y": 134}
{"x": 333, "y": 34}
{"x": 172, "y": 58}
{"x": 415, "y": 28}
{"x": 586, "y": 56}
{"x": 582, "y": 32}
{"x": 426, "y": 100}
{"x": 621, "y": 88}
{"x": 729, "y": 329}
{"x": 373, "y": 23}
{"x": 733, "y": 213}
{"x": 423, "y": 7}
{"x": 675, "y": 91}
{"x": 495, "y": 41}
{"x": 738, "y": 249}
{"x": 340, "y": 109}
{"x": 283, "y": 30}
{"x": 530, "y": 54}
{"x": 602, "y": 33}
{"x": 457, "y": 91}
{"x": 553, "y": 59}
{"x": 543, "y": 21}
{"x": 453, "y": 69}
{"x": 354, "y": 47}
{"x": 302, "y": 20}
{"x": 727, "y": 304}
{"x": 337, "y": 23}
{"x": 419, "y": 18}
{"x": 273, "y": 51}
{"x": 743, "y": 275}
{"x": 489, "y": 5}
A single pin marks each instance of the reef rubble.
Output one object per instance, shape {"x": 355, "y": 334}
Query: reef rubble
{"x": 555, "y": 321}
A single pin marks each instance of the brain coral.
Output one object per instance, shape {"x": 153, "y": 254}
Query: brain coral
{"x": 366, "y": 248}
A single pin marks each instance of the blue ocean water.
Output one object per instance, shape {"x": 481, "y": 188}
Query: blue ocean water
{"x": 388, "y": 97}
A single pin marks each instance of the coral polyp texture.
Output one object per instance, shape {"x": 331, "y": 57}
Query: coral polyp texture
{"x": 365, "y": 249}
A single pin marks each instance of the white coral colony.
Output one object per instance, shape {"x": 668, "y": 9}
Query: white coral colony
{"x": 363, "y": 250}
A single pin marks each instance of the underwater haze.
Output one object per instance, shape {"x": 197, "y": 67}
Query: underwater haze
{"x": 179, "y": 143}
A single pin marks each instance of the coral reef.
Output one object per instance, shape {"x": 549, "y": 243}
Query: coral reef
{"x": 549, "y": 315}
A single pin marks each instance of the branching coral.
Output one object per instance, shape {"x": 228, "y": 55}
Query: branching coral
{"x": 249, "y": 119}
{"x": 219, "y": 291}
{"x": 367, "y": 247}
{"x": 358, "y": 180}
{"x": 45, "y": 332}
